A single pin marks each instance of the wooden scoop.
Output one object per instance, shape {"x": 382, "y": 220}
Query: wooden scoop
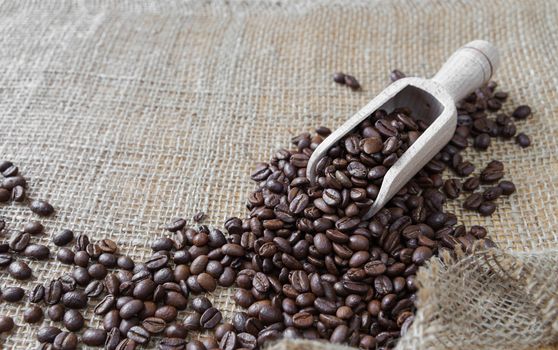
{"x": 432, "y": 100}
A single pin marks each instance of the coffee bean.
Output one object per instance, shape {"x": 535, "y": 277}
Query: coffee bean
{"x": 228, "y": 341}
{"x": 75, "y": 299}
{"x": 126, "y": 344}
{"x": 41, "y": 207}
{"x": 523, "y": 140}
{"x": 18, "y": 194}
{"x": 175, "y": 225}
{"x": 33, "y": 228}
{"x": 65, "y": 341}
{"x": 73, "y": 320}
{"x": 65, "y": 255}
{"x": 94, "y": 337}
{"x": 131, "y": 309}
{"x": 171, "y": 343}
{"x": 94, "y": 289}
{"x": 487, "y": 208}
{"x": 19, "y": 240}
{"x": 471, "y": 184}
{"x": 5, "y": 260}
{"x": 521, "y": 112}
{"x": 125, "y": 263}
{"x": 507, "y": 187}
{"x": 108, "y": 246}
{"x": 19, "y": 270}
{"x": 195, "y": 345}
{"x": 138, "y": 334}
{"x": 210, "y": 318}
{"x": 11, "y": 182}
{"x": 473, "y": 201}
{"x": 33, "y": 314}
{"x": 351, "y": 82}
{"x": 13, "y": 294}
{"x": 154, "y": 325}
{"x": 97, "y": 271}
{"x": 36, "y": 251}
{"x": 45, "y": 334}
{"x": 37, "y": 294}
{"x": 421, "y": 254}
{"x": 5, "y": 195}
{"x": 339, "y": 78}
{"x": 232, "y": 249}
{"x": 340, "y": 334}
{"x": 56, "y": 312}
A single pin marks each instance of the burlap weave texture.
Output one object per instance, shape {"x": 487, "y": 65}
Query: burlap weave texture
{"x": 125, "y": 114}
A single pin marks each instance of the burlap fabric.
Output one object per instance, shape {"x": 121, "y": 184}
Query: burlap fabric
{"x": 125, "y": 114}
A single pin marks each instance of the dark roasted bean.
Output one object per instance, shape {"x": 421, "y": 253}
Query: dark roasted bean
{"x": 41, "y": 207}
{"x": 33, "y": 314}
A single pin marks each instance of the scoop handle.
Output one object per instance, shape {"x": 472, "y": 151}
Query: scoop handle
{"x": 468, "y": 68}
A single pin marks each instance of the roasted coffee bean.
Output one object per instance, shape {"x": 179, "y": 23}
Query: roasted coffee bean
{"x": 45, "y": 334}
{"x": 138, "y": 334}
{"x": 487, "y": 208}
{"x": 56, "y": 312}
{"x": 94, "y": 337}
{"x": 421, "y": 254}
{"x": 5, "y": 195}
{"x": 171, "y": 343}
{"x": 65, "y": 341}
{"x": 339, "y": 78}
{"x": 523, "y": 140}
{"x": 175, "y": 225}
{"x": 5, "y": 260}
{"x": 131, "y": 308}
{"x": 19, "y": 270}
{"x": 521, "y": 112}
{"x": 36, "y": 251}
{"x": 41, "y": 207}
{"x": 473, "y": 201}
{"x": 507, "y": 187}
{"x": 73, "y": 320}
{"x": 192, "y": 321}
{"x": 18, "y": 194}
{"x": 126, "y": 344}
{"x": 94, "y": 289}
{"x": 97, "y": 271}
{"x": 154, "y": 325}
{"x": 471, "y": 184}
{"x": 65, "y": 255}
{"x": 68, "y": 282}
{"x": 210, "y": 318}
{"x": 19, "y": 240}
{"x": 33, "y": 228}
{"x": 228, "y": 341}
{"x": 13, "y": 294}
{"x": 33, "y": 314}
{"x": 75, "y": 299}
{"x": 351, "y": 82}
{"x": 36, "y": 295}
{"x": 125, "y": 263}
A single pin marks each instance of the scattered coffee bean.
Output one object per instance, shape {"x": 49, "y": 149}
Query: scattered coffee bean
{"x": 65, "y": 341}
{"x": 47, "y": 334}
{"x": 19, "y": 270}
{"x": 33, "y": 314}
{"x": 94, "y": 337}
{"x": 521, "y": 112}
{"x": 33, "y": 228}
{"x": 56, "y": 312}
{"x": 523, "y": 140}
{"x": 73, "y": 320}
{"x": 63, "y": 237}
{"x": 13, "y": 294}
{"x": 41, "y": 207}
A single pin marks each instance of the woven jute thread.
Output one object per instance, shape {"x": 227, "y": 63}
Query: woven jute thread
{"x": 125, "y": 114}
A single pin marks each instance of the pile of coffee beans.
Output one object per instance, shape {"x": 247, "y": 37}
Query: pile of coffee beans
{"x": 304, "y": 263}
